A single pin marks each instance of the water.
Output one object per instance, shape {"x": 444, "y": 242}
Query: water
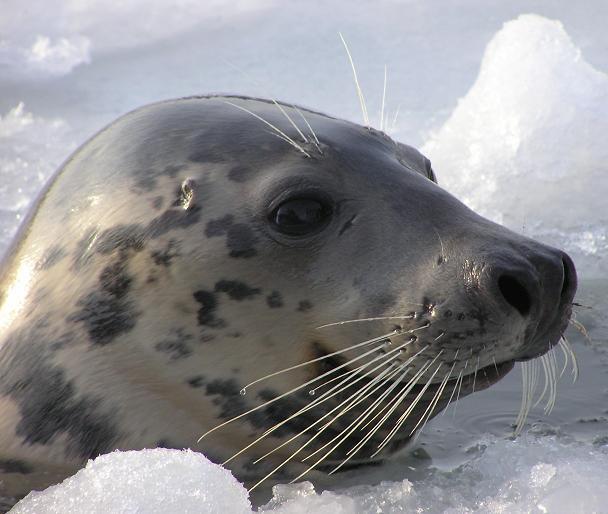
{"x": 513, "y": 118}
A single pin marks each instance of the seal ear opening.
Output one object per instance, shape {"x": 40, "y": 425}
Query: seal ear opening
{"x": 187, "y": 194}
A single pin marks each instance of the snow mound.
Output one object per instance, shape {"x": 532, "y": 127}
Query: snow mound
{"x": 526, "y": 145}
{"x": 150, "y": 481}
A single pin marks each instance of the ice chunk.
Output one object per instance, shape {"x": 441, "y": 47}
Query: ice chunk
{"x": 150, "y": 481}
{"x": 526, "y": 145}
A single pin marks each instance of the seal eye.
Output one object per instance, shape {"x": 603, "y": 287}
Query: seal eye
{"x": 300, "y": 216}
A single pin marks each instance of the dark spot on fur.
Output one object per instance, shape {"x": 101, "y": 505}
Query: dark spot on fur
{"x": 168, "y": 444}
{"x": 106, "y": 312}
{"x": 383, "y": 301}
{"x": 172, "y": 170}
{"x": 240, "y": 238}
{"x": 15, "y": 466}
{"x": 157, "y": 203}
{"x": 165, "y": 256}
{"x": 448, "y": 314}
{"x": 228, "y": 396}
{"x": 220, "y": 226}
{"x": 207, "y": 310}
{"x": 114, "y": 280}
{"x": 52, "y": 256}
{"x": 196, "y": 382}
{"x": 460, "y": 316}
{"x": 241, "y": 241}
{"x": 123, "y": 237}
{"x": 240, "y": 173}
{"x": 146, "y": 178}
{"x": 304, "y": 305}
{"x": 236, "y": 290}
{"x": 172, "y": 219}
{"x": 50, "y": 405}
{"x": 176, "y": 345}
{"x": 274, "y": 300}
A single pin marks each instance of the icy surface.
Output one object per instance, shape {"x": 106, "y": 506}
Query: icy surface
{"x": 150, "y": 481}
{"x": 526, "y": 146}
{"x": 514, "y": 118}
{"x": 534, "y": 475}
{"x": 31, "y": 148}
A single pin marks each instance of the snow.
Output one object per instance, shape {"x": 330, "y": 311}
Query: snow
{"x": 150, "y": 481}
{"x": 536, "y": 475}
{"x": 524, "y": 145}
{"x": 31, "y": 150}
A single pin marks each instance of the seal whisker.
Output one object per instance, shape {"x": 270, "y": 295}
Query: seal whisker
{"x": 523, "y": 408}
{"x": 297, "y": 388}
{"x": 343, "y": 436}
{"x": 567, "y": 347}
{"x": 293, "y": 123}
{"x": 475, "y": 373}
{"x": 458, "y": 379}
{"x": 308, "y": 407}
{"x": 544, "y": 362}
{"x": 529, "y": 373}
{"x": 409, "y": 410}
{"x": 554, "y": 379}
{"x": 565, "y": 353}
{"x": 357, "y": 421}
{"x": 343, "y": 385}
{"x": 383, "y": 100}
{"x": 313, "y": 391}
{"x": 357, "y": 85}
{"x": 379, "y": 339}
{"x": 362, "y": 417}
{"x": 325, "y": 396}
{"x": 288, "y": 459}
{"x": 378, "y": 318}
{"x": 402, "y": 394}
{"x": 466, "y": 364}
{"x": 366, "y": 413}
{"x": 276, "y": 129}
{"x": 350, "y": 403}
{"x": 433, "y": 403}
{"x": 580, "y": 327}
{"x": 312, "y": 132}
{"x": 257, "y": 82}
{"x": 395, "y": 118}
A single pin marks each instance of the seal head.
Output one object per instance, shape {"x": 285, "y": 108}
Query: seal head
{"x": 196, "y": 246}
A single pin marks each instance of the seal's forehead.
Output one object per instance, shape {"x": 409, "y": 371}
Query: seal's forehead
{"x": 249, "y": 130}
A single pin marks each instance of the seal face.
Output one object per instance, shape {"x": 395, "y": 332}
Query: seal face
{"x": 196, "y": 246}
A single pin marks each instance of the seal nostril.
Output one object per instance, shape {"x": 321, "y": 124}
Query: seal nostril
{"x": 516, "y": 294}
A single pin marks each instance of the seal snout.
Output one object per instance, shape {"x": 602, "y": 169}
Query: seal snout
{"x": 539, "y": 289}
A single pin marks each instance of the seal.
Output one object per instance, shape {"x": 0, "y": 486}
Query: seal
{"x": 295, "y": 287}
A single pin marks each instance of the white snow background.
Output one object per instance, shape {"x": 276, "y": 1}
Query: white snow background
{"x": 512, "y": 109}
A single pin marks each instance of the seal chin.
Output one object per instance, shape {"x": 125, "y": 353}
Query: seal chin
{"x": 487, "y": 376}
